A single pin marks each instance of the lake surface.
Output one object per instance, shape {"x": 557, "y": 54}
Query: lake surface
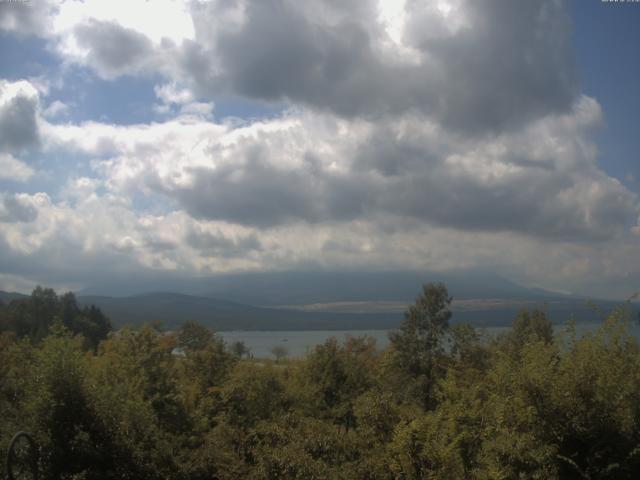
{"x": 298, "y": 343}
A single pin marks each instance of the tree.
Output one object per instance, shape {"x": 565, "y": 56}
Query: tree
{"x": 279, "y": 352}
{"x": 240, "y": 349}
{"x": 34, "y": 316}
{"x": 252, "y": 393}
{"x": 333, "y": 376}
{"x": 194, "y": 336}
{"x": 59, "y": 410}
{"x": 207, "y": 362}
{"x": 417, "y": 348}
{"x": 90, "y": 322}
{"x": 528, "y": 327}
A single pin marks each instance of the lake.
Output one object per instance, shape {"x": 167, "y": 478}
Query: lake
{"x": 299, "y": 342}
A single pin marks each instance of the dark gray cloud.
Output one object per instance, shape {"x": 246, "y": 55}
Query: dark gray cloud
{"x": 537, "y": 204}
{"x": 264, "y": 198}
{"x": 13, "y": 209}
{"x": 260, "y": 195}
{"x": 508, "y": 63}
{"x": 113, "y": 49}
{"x": 281, "y": 53}
{"x": 18, "y": 124}
{"x": 390, "y": 156}
{"x": 255, "y": 192}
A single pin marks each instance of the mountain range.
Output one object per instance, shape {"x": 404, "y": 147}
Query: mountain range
{"x": 326, "y": 300}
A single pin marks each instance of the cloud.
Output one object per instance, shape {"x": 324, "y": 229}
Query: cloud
{"x": 500, "y": 67}
{"x": 20, "y": 207}
{"x": 305, "y": 167}
{"x": 432, "y": 134}
{"x": 24, "y": 18}
{"x": 118, "y": 38}
{"x": 197, "y": 110}
{"x": 114, "y": 50}
{"x": 56, "y": 109}
{"x": 217, "y": 244}
{"x": 501, "y": 64}
{"x": 18, "y": 116}
{"x": 473, "y": 66}
{"x": 13, "y": 169}
{"x": 170, "y": 93}
{"x": 103, "y": 234}
{"x": 160, "y": 21}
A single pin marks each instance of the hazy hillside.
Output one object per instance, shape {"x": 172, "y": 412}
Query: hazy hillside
{"x": 7, "y": 297}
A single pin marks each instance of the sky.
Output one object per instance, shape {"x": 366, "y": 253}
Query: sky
{"x": 192, "y": 138}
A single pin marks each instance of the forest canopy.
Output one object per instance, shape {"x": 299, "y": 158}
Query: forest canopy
{"x": 440, "y": 401}
{"x": 33, "y": 317}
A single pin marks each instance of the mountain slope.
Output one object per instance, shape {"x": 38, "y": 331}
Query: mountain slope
{"x": 174, "y": 309}
{"x": 320, "y": 287}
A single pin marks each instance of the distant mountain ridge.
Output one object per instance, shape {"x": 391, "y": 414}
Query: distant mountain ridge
{"x": 328, "y": 300}
{"x": 290, "y": 288}
{"x": 320, "y": 287}
{"x": 173, "y": 309}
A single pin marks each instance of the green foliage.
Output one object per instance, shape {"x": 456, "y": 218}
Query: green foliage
{"x": 240, "y": 349}
{"x": 193, "y": 337}
{"x": 209, "y": 364}
{"x": 527, "y": 327}
{"x": 34, "y": 317}
{"x": 417, "y": 355}
{"x": 56, "y": 406}
{"x": 439, "y": 402}
{"x": 253, "y": 392}
{"x": 333, "y": 376}
{"x": 279, "y": 352}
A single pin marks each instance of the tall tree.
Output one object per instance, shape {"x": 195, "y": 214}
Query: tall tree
{"x": 418, "y": 347}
